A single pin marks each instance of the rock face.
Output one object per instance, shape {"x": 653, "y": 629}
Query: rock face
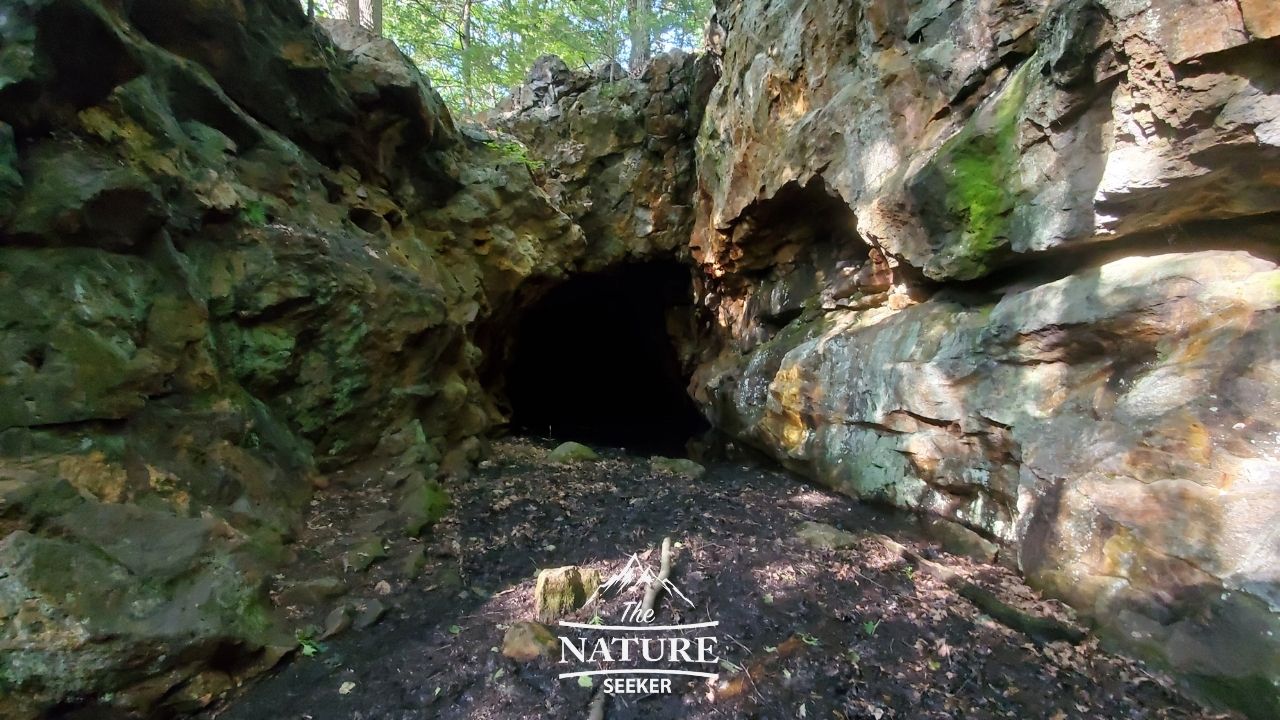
{"x": 1013, "y": 264}
{"x": 214, "y": 286}
{"x": 1008, "y": 262}
{"x": 617, "y": 151}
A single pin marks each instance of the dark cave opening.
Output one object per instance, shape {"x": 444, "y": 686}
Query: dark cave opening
{"x": 594, "y": 361}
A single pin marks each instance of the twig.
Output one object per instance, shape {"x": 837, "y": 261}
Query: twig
{"x": 650, "y": 597}
{"x": 755, "y": 688}
{"x": 734, "y": 640}
{"x": 597, "y": 705}
{"x": 651, "y": 594}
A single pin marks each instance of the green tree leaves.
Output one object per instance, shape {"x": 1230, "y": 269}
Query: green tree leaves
{"x": 474, "y": 51}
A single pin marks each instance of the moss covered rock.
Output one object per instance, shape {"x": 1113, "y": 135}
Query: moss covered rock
{"x": 116, "y": 597}
{"x": 560, "y": 591}
{"x": 211, "y": 283}
{"x": 680, "y": 467}
{"x": 572, "y": 452}
{"x": 526, "y": 641}
{"x": 423, "y": 503}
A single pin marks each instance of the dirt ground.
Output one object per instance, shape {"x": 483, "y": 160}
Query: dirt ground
{"x": 803, "y": 632}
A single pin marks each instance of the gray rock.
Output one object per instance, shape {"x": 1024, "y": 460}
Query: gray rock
{"x": 312, "y": 591}
{"x": 370, "y": 612}
{"x": 572, "y": 452}
{"x": 825, "y": 537}
{"x": 336, "y": 622}
{"x": 960, "y": 540}
{"x": 680, "y": 467}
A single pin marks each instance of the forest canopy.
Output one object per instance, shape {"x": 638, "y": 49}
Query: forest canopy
{"x": 474, "y": 51}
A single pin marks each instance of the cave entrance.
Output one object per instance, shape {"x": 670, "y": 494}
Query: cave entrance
{"x": 594, "y": 360}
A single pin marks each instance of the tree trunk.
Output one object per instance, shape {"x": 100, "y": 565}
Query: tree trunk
{"x": 353, "y": 12}
{"x": 375, "y": 13}
{"x": 638, "y": 30}
{"x": 467, "y": 85}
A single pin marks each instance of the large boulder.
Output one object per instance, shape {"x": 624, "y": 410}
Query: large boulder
{"x": 216, "y": 284}
{"x": 1012, "y": 264}
{"x": 103, "y": 597}
{"x": 1042, "y": 125}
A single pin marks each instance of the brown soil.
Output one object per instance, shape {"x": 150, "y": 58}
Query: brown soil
{"x": 850, "y": 633}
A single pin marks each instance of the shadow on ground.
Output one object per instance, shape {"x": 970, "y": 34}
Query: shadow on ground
{"x": 805, "y": 632}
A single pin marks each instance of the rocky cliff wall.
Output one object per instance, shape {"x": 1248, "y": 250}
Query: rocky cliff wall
{"x": 234, "y": 253}
{"x": 1010, "y": 262}
{"x": 1013, "y": 263}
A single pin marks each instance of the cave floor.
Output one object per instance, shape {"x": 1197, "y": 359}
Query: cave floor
{"x": 804, "y": 632}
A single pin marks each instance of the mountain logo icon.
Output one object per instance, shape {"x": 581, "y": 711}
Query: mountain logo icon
{"x": 634, "y": 573}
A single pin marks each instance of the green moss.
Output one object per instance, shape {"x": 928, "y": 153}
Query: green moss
{"x": 1255, "y": 696}
{"x": 100, "y": 364}
{"x": 266, "y": 546}
{"x": 349, "y": 363}
{"x": 260, "y": 355}
{"x": 979, "y": 167}
{"x": 516, "y": 152}
{"x": 254, "y": 212}
{"x": 424, "y": 503}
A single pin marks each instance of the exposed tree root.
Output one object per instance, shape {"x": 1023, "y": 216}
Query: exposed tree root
{"x": 1040, "y": 629}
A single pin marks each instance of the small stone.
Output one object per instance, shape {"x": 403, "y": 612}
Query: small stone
{"x": 414, "y": 563}
{"x": 562, "y": 590}
{"x": 526, "y": 641}
{"x": 311, "y": 592}
{"x": 423, "y": 503}
{"x": 960, "y": 540}
{"x": 365, "y": 553}
{"x": 370, "y": 613}
{"x": 572, "y": 452}
{"x": 825, "y": 537}
{"x": 337, "y": 621}
{"x": 679, "y": 467}
{"x": 382, "y": 588}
